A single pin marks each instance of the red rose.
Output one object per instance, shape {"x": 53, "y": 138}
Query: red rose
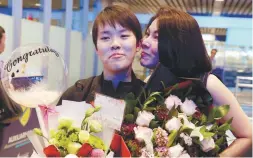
{"x": 197, "y": 114}
{"x": 85, "y": 150}
{"x": 51, "y": 151}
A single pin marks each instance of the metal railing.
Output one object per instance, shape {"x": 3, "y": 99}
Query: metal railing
{"x": 242, "y": 85}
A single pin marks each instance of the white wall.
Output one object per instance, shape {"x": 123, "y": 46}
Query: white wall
{"x": 32, "y": 32}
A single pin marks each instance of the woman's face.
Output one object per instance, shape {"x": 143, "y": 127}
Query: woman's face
{"x": 149, "y": 55}
{"x": 116, "y": 47}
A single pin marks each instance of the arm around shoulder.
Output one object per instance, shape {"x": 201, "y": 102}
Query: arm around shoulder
{"x": 241, "y": 125}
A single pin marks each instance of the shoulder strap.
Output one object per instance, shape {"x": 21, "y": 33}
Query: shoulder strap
{"x": 204, "y": 78}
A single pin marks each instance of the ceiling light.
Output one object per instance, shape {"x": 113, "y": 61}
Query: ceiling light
{"x": 37, "y": 4}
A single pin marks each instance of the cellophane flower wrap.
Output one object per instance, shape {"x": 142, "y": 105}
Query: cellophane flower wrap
{"x": 77, "y": 129}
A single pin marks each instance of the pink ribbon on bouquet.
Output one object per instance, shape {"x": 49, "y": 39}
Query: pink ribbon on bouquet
{"x": 45, "y": 111}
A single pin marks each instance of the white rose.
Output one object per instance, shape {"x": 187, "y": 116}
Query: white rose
{"x": 188, "y": 107}
{"x": 171, "y": 101}
{"x": 144, "y": 118}
{"x": 185, "y": 155}
{"x": 176, "y": 151}
{"x": 187, "y": 123}
{"x": 173, "y": 124}
{"x": 143, "y": 133}
{"x": 207, "y": 144}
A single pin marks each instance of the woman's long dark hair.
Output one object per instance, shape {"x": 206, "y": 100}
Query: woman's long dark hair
{"x": 180, "y": 44}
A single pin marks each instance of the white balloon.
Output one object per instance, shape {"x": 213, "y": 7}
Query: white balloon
{"x": 35, "y": 74}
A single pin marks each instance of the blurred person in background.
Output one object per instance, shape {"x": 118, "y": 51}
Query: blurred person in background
{"x": 9, "y": 111}
{"x": 213, "y": 54}
{"x": 217, "y": 71}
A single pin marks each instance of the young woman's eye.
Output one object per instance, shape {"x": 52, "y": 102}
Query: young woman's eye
{"x": 104, "y": 38}
{"x": 125, "y": 36}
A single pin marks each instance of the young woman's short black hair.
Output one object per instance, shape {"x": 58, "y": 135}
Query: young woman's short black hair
{"x": 117, "y": 14}
{"x": 180, "y": 43}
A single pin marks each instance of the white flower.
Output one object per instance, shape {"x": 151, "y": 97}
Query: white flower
{"x": 184, "y": 155}
{"x": 187, "y": 139}
{"x": 207, "y": 144}
{"x": 176, "y": 151}
{"x": 188, "y": 107}
{"x": 71, "y": 156}
{"x": 146, "y": 154}
{"x": 196, "y": 133}
{"x": 144, "y": 118}
{"x": 143, "y": 133}
{"x": 173, "y": 124}
{"x": 187, "y": 123}
{"x": 171, "y": 101}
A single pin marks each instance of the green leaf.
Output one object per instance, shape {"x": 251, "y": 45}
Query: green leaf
{"x": 163, "y": 84}
{"x": 185, "y": 129}
{"x": 129, "y": 118}
{"x": 171, "y": 137}
{"x": 224, "y": 127}
{"x": 155, "y": 93}
{"x": 202, "y": 130}
{"x": 229, "y": 121}
{"x": 208, "y": 134}
{"x": 149, "y": 109}
{"x": 214, "y": 127}
{"x": 149, "y": 101}
{"x": 153, "y": 124}
{"x": 221, "y": 111}
{"x": 220, "y": 141}
{"x": 203, "y": 119}
{"x": 205, "y": 133}
{"x": 173, "y": 112}
{"x": 131, "y": 102}
{"x": 136, "y": 111}
{"x": 216, "y": 149}
{"x": 217, "y": 113}
{"x": 189, "y": 118}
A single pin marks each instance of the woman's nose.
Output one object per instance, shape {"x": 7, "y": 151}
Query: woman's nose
{"x": 145, "y": 43}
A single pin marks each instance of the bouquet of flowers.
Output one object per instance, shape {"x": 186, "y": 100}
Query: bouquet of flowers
{"x": 83, "y": 132}
{"x": 179, "y": 121}
{"x": 79, "y": 141}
